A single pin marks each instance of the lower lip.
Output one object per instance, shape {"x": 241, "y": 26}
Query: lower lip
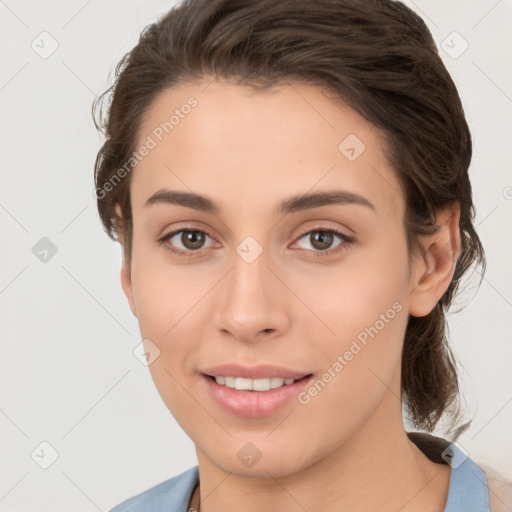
{"x": 254, "y": 404}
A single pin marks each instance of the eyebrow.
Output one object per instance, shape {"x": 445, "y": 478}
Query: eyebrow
{"x": 293, "y": 204}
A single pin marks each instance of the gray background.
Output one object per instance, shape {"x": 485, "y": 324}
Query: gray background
{"x": 69, "y": 375}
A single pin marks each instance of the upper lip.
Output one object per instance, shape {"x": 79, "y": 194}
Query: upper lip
{"x": 260, "y": 371}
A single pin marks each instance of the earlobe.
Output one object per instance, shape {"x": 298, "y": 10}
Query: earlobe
{"x": 434, "y": 270}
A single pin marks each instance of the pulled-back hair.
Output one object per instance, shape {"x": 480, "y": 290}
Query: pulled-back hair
{"x": 376, "y": 56}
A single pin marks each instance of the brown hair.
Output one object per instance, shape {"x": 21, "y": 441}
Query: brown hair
{"x": 379, "y": 58}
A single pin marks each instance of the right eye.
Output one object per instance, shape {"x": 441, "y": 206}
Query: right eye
{"x": 184, "y": 242}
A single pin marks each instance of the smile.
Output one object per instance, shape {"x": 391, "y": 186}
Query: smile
{"x": 254, "y": 397}
{"x": 244, "y": 384}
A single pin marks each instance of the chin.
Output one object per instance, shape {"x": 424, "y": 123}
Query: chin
{"x": 251, "y": 462}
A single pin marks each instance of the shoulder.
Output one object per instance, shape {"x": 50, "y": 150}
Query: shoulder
{"x": 467, "y": 482}
{"x": 500, "y": 490}
{"x": 171, "y": 495}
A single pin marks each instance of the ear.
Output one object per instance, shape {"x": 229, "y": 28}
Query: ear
{"x": 433, "y": 271}
{"x": 126, "y": 278}
{"x": 126, "y": 283}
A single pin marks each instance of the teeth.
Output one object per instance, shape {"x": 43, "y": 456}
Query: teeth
{"x": 243, "y": 384}
{"x": 276, "y": 382}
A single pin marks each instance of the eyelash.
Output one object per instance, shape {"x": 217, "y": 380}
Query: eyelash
{"x": 346, "y": 241}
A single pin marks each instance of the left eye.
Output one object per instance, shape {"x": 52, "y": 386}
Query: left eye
{"x": 321, "y": 240}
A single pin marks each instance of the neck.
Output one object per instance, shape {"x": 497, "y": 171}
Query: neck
{"x": 378, "y": 468}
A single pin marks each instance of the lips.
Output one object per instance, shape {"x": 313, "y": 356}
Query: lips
{"x": 253, "y": 392}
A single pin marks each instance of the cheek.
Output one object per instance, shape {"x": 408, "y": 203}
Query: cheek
{"x": 170, "y": 301}
{"x": 167, "y": 306}
{"x": 361, "y": 361}
{"x": 165, "y": 294}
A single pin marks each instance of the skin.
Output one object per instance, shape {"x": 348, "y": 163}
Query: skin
{"x": 346, "y": 449}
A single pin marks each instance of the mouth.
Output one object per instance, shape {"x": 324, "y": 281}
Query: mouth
{"x": 259, "y": 397}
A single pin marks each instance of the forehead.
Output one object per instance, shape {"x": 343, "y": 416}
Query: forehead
{"x": 216, "y": 137}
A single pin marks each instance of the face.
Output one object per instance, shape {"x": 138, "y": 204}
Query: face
{"x": 291, "y": 264}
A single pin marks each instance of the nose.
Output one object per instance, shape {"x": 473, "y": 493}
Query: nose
{"x": 253, "y": 304}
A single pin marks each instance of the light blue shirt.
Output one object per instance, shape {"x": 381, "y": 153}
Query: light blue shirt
{"x": 468, "y": 491}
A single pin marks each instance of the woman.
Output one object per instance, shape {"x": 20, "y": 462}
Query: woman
{"x": 289, "y": 182}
